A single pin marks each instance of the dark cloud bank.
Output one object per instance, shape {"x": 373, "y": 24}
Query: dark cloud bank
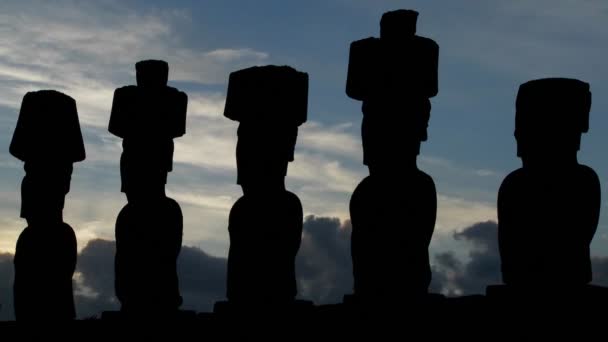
{"x": 323, "y": 266}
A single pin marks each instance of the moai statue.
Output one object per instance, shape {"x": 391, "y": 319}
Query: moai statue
{"x": 149, "y": 228}
{"x": 48, "y": 140}
{"x": 548, "y": 210}
{"x": 393, "y": 210}
{"x": 265, "y": 224}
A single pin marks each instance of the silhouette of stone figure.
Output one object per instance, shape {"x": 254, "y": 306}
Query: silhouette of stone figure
{"x": 149, "y": 228}
{"x": 265, "y": 224}
{"x": 393, "y": 210}
{"x": 48, "y": 140}
{"x": 548, "y": 210}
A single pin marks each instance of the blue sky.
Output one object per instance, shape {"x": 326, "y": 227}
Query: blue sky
{"x": 487, "y": 48}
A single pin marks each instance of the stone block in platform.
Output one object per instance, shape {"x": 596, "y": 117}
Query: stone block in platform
{"x": 296, "y": 307}
{"x": 548, "y": 294}
{"x": 119, "y": 316}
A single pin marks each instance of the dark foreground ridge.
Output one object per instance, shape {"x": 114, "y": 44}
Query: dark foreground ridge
{"x": 498, "y": 313}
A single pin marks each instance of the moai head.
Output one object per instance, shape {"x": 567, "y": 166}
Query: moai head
{"x": 48, "y": 130}
{"x": 551, "y": 115}
{"x": 398, "y": 25}
{"x": 48, "y": 139}
{"x": 389, "y": 146}
{"x": 43, "y": 193}
{"x": 269, "y": 102}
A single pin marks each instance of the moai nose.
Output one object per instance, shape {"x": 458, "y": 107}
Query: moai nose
{"x": 152, "y": 73}
{"x": 398, "y": 24}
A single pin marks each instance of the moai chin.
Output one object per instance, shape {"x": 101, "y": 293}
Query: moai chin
{"x": 394, "y": 76}
{"x": 149, "y": 228}
{"x": 548, "y": 210}
{"x": 265, "y": 224}
{"x": 48, "y": 140}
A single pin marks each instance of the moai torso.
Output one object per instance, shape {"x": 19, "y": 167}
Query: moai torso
{"x": 149, "y": 228}
{"x": 45, "y": 261}
{"x": 548, "y": 210}
{"x": 265, "y": 235}
{"x": 147, "y": 247}
{"x": 392, "y": 229}
{"x": 265, "y": 224}
{"x": 48, "y": 139}
{"x": 393, "y": 210}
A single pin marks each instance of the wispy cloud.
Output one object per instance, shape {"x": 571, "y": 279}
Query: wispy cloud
{"x": 46, "y": 46}
{"x": 530, "y": 39}
{"x": 88, "y": 50}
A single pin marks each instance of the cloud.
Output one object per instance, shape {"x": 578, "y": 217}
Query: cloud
{"x": 323, "y": 265}
{"x": 323, "y": 269}
{"x": 537, "y": 31}
{"x": 11, "y": 224}
{"x": 88, "y": 49}
{"x": 337, "y": 140}
{"x": 6, "y": 286}
{"x": 11, "y": 228}
{"x": 201, "y": 276}
{"x": 517, "y": 39}
{"x": 482, "y": 268}
{"x": 63, "y": 46}
{"x": 456, "y": 212}
{"x": 454, "y": 276}
{"x": 202, "y": 279}
{"x": 221, "y": 202}
{"x": 94, "y": 290}
{"x": 232, "y": 54}
{"x": 600, "y": 270}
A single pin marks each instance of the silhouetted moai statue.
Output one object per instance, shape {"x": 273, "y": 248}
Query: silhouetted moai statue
{"x": 265, "y": 224}
{"x": 393, "y": 210}
{"x": 48, "y": 139}
{"x": 149, "y": 228}
{"x": 548, "y": 210}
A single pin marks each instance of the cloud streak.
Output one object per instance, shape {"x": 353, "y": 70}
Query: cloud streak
{"x": 88, "y": 49}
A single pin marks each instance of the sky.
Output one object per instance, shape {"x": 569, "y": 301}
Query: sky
{"x": 487, "y": 48}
